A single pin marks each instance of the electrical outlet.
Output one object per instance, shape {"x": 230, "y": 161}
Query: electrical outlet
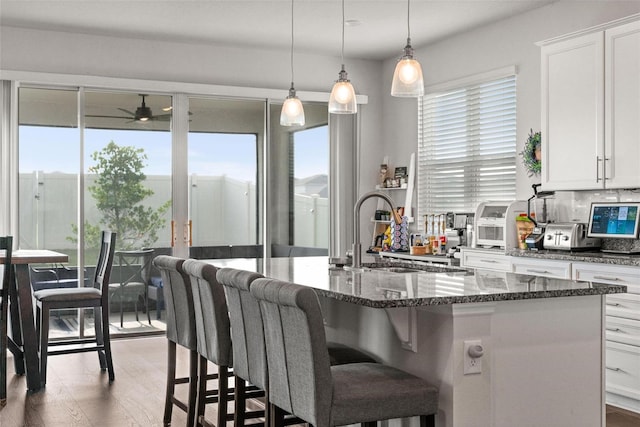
{"x": 472, "y": 356}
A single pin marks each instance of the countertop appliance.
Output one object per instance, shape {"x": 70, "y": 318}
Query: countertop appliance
{"x": 495, "y": 225}
{"x": 457, "y": 229}
{"x": 569, "y": 236}
{"x": 535, "y": 240}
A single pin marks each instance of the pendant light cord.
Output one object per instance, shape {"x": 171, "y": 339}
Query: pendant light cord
{"x": 408, "y": 20}
{"x": 292, "y": 79}
{"x": 342, "y": 48}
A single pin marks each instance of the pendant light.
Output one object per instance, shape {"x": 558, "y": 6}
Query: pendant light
{"x": 407, "y": 78}
{"x": 292, "y": 113}
{"x": 343, "y": 96}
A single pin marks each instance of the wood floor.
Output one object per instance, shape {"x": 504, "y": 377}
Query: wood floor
{"x": 79, "y": 394}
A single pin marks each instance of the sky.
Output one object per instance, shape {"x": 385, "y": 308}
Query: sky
{"x": 56, "y": 149}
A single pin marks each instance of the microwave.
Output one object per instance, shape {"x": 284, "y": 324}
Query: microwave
{"x": 495, "y": 224}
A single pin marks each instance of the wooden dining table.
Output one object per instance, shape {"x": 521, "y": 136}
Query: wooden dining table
{"x": 23, "y": 342}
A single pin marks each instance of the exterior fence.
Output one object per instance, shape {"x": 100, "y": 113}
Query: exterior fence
{"x": 223, "y": 211}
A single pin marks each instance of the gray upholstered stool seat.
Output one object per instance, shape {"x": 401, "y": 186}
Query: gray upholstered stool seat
{"x": 67, "y": 294}
{"x": 340, "y": 354}
{"x": 302, "y": 381}
{"x": 370, "y": 391}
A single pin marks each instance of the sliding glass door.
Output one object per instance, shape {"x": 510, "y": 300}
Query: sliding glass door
{"x": 224, "y": 158}
{"x": 109, "y": 169}
{"x": 127, "y": 189}
{"x": 198, "y": 176}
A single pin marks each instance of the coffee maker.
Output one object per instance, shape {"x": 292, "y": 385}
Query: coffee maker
{"x": 535, "y": 240}
{"x": 458, "y": 228}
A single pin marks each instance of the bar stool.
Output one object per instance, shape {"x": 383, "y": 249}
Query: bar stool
{"x": 6, "y": 243}
{"x": 181, "y": 330}
{"x": 302, "y": 381}
{"x": 247, "y": 331}
{"x": 214, "y": 338}
{"x": 96, "y": 297}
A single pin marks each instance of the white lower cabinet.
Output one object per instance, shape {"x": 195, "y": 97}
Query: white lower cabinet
{"x": 542, "y": 267}
{"x": 610, "y": 274}
{"x": 623, "y": 375}
{"x": 485, "y": 259}
{"x": 622, "y": 331}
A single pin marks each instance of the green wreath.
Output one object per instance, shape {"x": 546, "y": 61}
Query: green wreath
{"x": 531, "y": 157}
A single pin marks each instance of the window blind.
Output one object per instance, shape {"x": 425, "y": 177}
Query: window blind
{"x": 467, "y": 146}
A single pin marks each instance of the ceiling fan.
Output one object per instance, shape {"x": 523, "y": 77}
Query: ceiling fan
{"x": 142, "y": 114}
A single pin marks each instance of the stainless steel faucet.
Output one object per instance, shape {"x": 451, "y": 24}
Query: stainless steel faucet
{"x": 357, "y": 249}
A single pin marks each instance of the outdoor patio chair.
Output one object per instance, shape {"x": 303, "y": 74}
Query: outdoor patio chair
{"x": 134, "y": 274}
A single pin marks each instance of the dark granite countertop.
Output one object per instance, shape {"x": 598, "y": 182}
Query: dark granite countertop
{"x": 420, "y": 285}
{"x": 578, "y": 256}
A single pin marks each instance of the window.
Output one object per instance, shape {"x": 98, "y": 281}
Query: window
{"x": 467, "y": 146}
{"x": 311, "y": 187}
{"x": 297, "y": 190}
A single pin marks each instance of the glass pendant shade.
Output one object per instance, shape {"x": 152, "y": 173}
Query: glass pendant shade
{"x": 343, "y": 96}
{"x": 407, "y": 78}
{"x": 292, "y": 113}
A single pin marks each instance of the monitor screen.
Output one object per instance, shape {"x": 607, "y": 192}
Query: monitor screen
{"x": 614, "y": 220}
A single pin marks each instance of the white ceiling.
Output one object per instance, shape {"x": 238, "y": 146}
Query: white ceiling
{"x": 381, "y": 33}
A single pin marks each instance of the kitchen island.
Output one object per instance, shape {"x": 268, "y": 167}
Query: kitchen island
{"x": 542, "y": 338}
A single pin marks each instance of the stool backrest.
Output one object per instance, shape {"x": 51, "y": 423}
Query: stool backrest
{"x": 211, "y": 313}
{"x": 104, "y": 264}
{"x": 247, "y": 332}
{"x": 297, "y": 357}
{"x": 181, "y": 325}
{"x": 6, "y": 243}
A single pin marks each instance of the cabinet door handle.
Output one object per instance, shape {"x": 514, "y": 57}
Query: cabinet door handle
{"x": 613, "y": 369}
{"x": 490, "y": 261}
{"x": 611, "y": 279}
{"x": 538, "y": 271}
{"x": 598, "y": 160}
{"x": 613, "y": 329}
{"x": 613, "y": 304}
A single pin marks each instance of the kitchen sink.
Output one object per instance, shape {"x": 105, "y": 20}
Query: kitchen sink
{"x": 398, "y": 269}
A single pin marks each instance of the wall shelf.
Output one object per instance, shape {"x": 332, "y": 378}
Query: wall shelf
{"x": 410, "y": 220}
{"x": 402, "y": 187}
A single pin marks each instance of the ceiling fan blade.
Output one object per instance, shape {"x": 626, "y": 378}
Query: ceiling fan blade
{"x": 127, "y": 111}
{"x": 108, "y": 117}
{"x": 162, "y": 117}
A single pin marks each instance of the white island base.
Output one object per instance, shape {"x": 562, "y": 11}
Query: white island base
{"x": 542, "y": 366}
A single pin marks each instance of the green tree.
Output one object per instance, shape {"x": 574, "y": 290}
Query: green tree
{"x": 119, "y": 191}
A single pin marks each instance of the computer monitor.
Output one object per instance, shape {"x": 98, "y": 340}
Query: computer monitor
{"x": 614, "y": 220}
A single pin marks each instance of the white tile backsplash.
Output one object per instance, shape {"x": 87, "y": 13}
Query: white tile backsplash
{"x": 575, "y": 205}
{"x": 569, "y": 206}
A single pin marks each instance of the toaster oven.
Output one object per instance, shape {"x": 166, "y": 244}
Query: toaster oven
{"x": 570, "y": 236}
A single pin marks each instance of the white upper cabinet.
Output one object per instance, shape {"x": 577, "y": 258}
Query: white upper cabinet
{"x": 591, "y": 110}
{"x": 622, "y": 106}
{"x": 573, "y": 113}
